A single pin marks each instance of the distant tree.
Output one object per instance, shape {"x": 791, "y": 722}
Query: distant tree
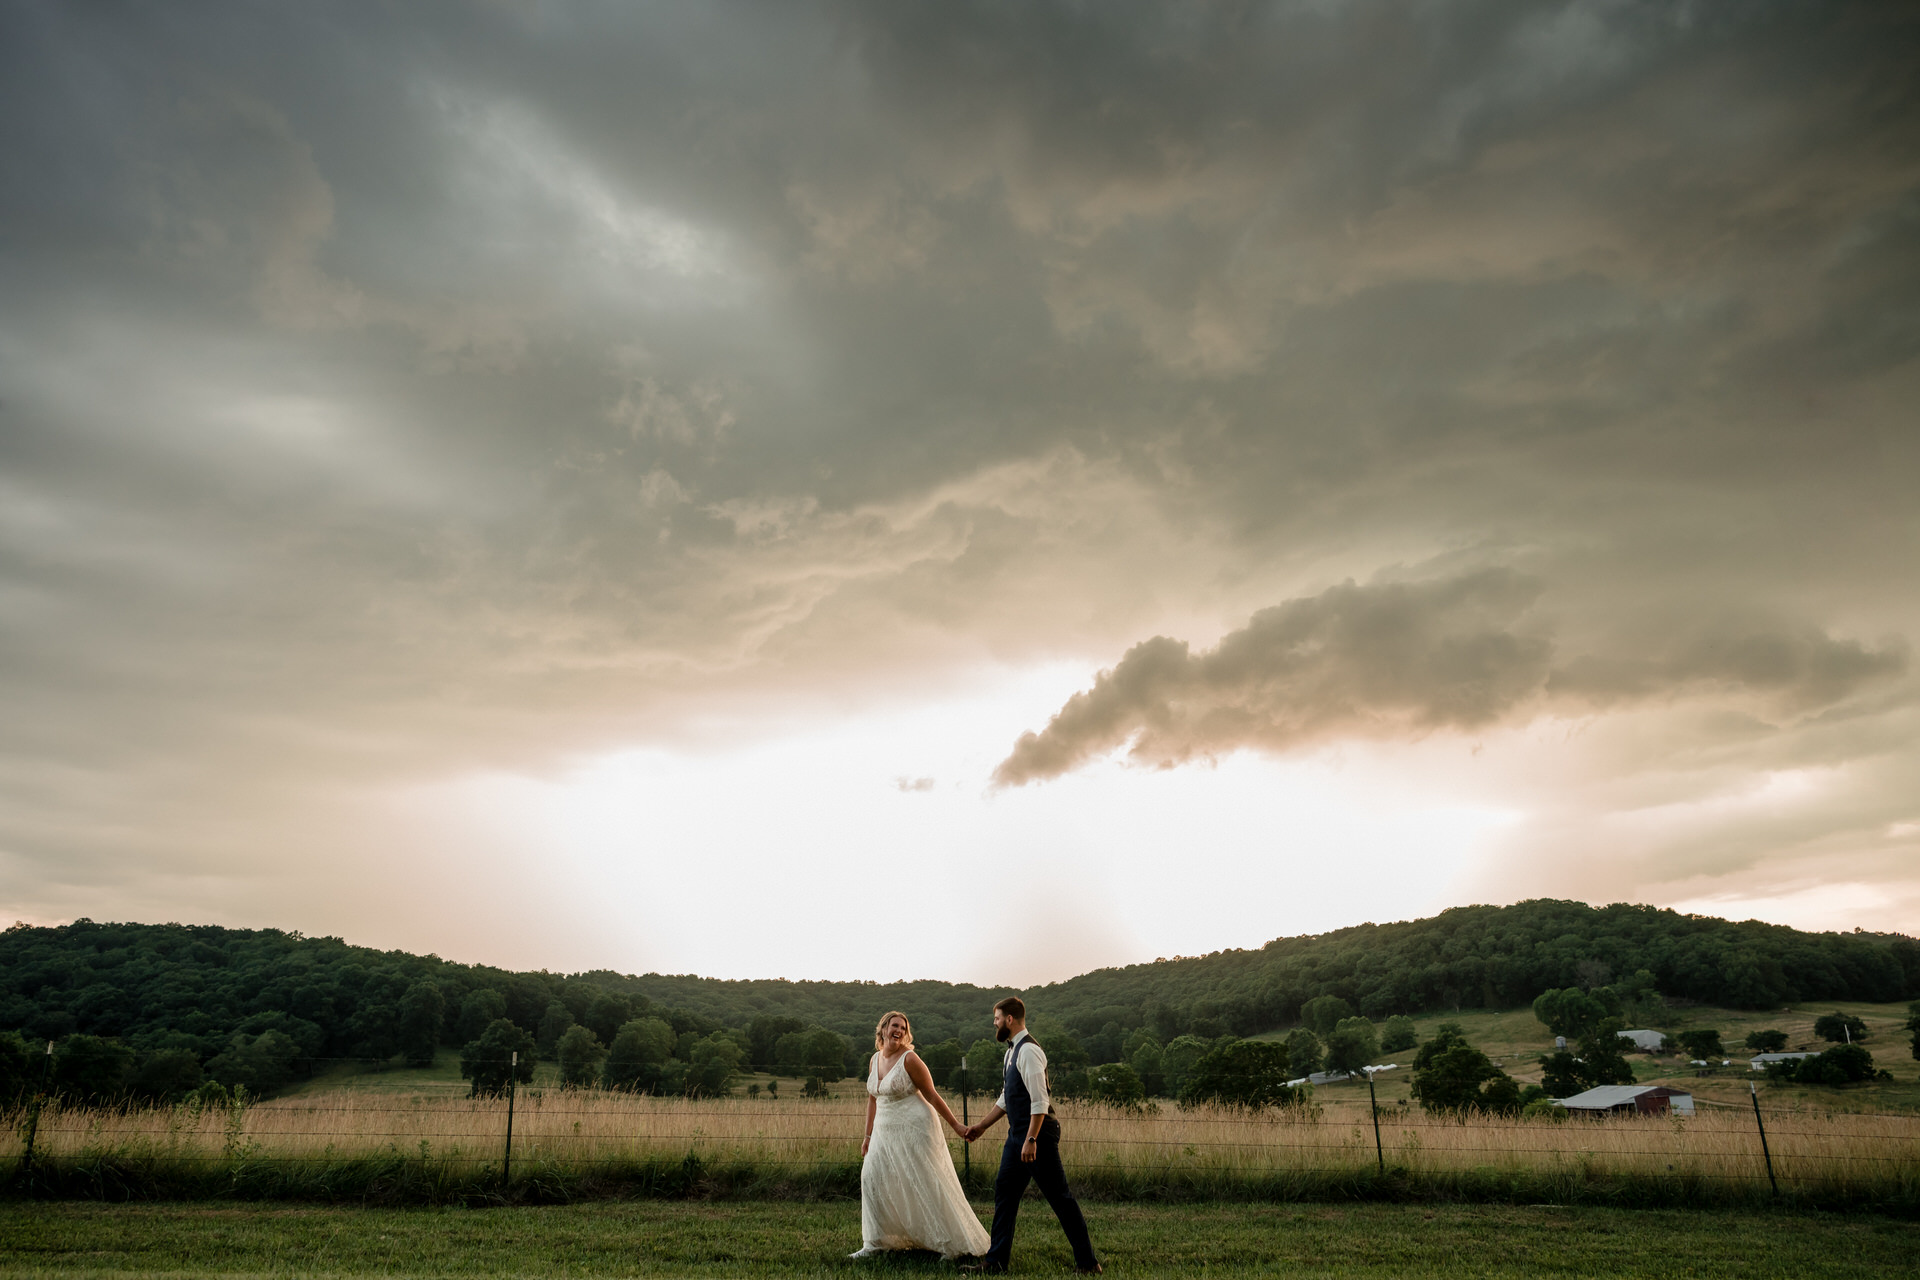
{"x": 1639, "y": 999}
{"x": 1560, "y": 1074}
{"x": 943, "y": 1060}
{"x": 1064, "y": 1050}
{"x": 1241, "y": 1073}
{"x": 764, "y": 1032}
{"x": 1702, "y": 1044}
{"x": 1323, "y": 1014}
{"x": 580, "y": 1054}
{"x": 22, "y": 1072}
{"x": 488, "y": 1059}
{"x": 1177, "y": 1060}
{"x": 985, "y": 1066}
{"x": 1303, "y": 1052}
{"x": 1451, "y": 1076}
{"x": 1840, "y": 1028}
{"x": 1769, "y": 1041}
{"x": 1595, "y": 1059}
{"x": 608, "y": 1012}
{"x": 1116, "y": 1084}
{"x": 1105, "y": 1044}
{"x": 1842, "y": 1064}
{"x": 90, "y": 1068}
{"x": 1573, "y": 1013}
{"x": 1397, "y": 1033}
{"x": 262, "y": 1064}
{"x": 1593, "y": 972}
{"x": 712, "y": 1064}
{"x": 554, "y": 1024}
{"x": 1145, "y": 1061}
{"x": 422, "y": 1010}
{"x": 1913, "y": 1025}
{"x": 816, "y": 1051}
{"x": 1353, "y": 1045}
{"x": 480, "y": 1008}
{"x": 639, "y": 1055}
{"x": 815, "y": 1087}
{"x": 166, "y": 1075}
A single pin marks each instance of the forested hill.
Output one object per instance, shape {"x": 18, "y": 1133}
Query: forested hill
{"x": 194, "y": 987}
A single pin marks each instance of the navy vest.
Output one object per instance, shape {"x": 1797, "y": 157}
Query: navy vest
{"x": 1019, "y": 1101}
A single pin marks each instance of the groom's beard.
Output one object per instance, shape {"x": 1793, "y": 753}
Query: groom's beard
{"x": 1003, "y": 1033}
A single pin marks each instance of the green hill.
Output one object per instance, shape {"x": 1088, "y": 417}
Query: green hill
{"x": 194, "y": 987}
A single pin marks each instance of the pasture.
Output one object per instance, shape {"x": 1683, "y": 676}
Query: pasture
{"x": 411, "y": 1148}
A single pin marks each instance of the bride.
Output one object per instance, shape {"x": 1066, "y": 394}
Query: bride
{"x": 910, "y": 1197}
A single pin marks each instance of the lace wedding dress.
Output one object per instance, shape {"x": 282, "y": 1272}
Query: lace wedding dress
{"x": 910, "y": 1197}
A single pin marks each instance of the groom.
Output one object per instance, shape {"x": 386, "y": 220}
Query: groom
{"x": 1032, "y": 1153}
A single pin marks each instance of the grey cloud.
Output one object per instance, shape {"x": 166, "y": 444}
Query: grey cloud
{"x": 1402, "y": 659}
{"x": 1392, "y": 659}
{"x": 404, "y": 388}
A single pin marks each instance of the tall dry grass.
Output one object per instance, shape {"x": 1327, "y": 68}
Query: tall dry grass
{"x": 572, "y": 1139}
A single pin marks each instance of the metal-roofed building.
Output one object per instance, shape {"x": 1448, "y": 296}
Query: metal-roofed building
{"x": 1632, "y": 1099}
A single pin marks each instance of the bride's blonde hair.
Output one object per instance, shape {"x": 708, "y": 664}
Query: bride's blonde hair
{"x": 880, "y": 1029}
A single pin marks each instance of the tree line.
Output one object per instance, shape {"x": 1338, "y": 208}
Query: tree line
{"x": 160, "y": 1010}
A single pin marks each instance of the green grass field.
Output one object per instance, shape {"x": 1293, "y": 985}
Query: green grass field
{"x": 796, "y": 1239}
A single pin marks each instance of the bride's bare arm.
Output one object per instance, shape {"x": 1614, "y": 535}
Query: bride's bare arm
{"x": 869, "y": 1138}
{"x": 923, "y": 1081}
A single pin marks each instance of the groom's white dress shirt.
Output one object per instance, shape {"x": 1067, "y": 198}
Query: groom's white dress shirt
{"x": 1033, "y": 1072}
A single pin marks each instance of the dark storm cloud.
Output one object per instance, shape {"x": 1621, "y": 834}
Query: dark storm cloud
{"x": 399, "y": 388}
{"x": 1398, "y": 660}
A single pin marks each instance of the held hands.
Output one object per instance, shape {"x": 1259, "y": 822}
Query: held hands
{"x": 972, "y": 1131}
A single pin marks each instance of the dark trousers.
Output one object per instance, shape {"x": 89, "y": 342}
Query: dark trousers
{"x": 1047, "y": 1172}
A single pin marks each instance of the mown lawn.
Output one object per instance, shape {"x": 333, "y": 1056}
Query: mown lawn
{"x": 73, "y": 1240}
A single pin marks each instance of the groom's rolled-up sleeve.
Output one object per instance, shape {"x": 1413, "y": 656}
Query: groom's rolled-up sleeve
{"x": 1033, "y": 1073}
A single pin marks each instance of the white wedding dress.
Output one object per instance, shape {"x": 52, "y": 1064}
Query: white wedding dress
{"x": 910, "y": 1197}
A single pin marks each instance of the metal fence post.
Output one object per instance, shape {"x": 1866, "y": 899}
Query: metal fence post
{"x": 1754, "y": 1090}
{"x": 506, "y": 1160}
{"x": 1379, "y": 1151}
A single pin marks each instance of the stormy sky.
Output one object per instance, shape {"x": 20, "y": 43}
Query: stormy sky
{"x": 978, "y": 491}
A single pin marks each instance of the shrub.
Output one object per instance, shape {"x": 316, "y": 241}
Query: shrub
{"x": 167, "y": 1075}
{"x": 1116, "y": 1083}
{"x": 1451, "y": 1076}
{"x": 1702, "y": 1044}
{"x": 261, "y": 1064}
{"x": 1323, "y": 1014}
{"x": 580, "y": 1053}
{"x": 1842, "y": 1064}
{"x": 488, "y": 1059}
{"x": 1840, "y": 1027}
{"x": 1768, "y": 1041}
{"x": 1396, "y": 1033}
{"x": 21, "y": 1070}
{"x": 639, "y": 1056}
{"x": 1242, "y": 1073}
{"x": 1353, "y": 1045}
{"x": 91, "y": 1069}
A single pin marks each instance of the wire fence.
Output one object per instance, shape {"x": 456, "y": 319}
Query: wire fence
{"x": 554, "y": 1134}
